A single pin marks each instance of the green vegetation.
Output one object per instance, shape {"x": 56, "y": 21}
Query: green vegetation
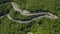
{"x": 5, "y": 1}
{"x": 9, "y": 27}
{"x": 4, "y": 8}
{"x": 52, "y": 6}
{"x": 46, "y": 26}
{"x": 17, "y": 16}
{"x": 38, "y": 26}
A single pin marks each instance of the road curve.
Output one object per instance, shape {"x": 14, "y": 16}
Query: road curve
{"x": 24, "y": 12}
{"x": 27, "y": 13}
{"x": 24, "y": 21}
{"x": 16, "y": 8}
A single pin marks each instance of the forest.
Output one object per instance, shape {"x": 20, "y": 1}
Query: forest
{"x": 4, "y": 8}
{"x": 52, "y": 6}
{"x": 38, "y": 26}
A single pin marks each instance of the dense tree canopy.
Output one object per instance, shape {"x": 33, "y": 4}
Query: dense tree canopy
{"x": 38, "y": 26}
{"x": 4, "y": 8}
{"x": 33, "y": 5}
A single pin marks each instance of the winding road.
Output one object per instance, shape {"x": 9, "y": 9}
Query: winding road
{"x": 24, "y": 21}
{"x": 27, "y": 13}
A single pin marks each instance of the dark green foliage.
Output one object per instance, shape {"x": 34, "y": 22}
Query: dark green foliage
{"x": 48, "y": 26}
{"x": 5, "y": 1}
{"x": 18, "y": 16}
{"x": 4, "y": 8}
{"x": 52, "y": 6}
{"x": 38, "y": 26}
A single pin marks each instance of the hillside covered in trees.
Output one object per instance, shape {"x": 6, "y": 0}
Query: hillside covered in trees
{"x": 52, "y": 6}
{"x": 38, "y": 26}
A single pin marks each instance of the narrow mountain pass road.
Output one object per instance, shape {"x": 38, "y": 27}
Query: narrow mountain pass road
{"x": 24, "y": 21}
{"x": 27, "y": 13}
